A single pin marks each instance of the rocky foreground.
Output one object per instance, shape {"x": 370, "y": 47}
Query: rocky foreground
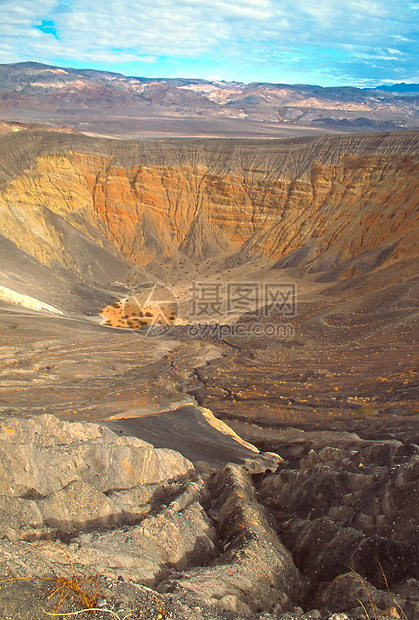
{"x": 328, "y": 531}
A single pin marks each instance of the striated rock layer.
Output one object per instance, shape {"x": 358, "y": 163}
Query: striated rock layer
{"x": 314, "y": 202}
{"x": 77, "y": 495}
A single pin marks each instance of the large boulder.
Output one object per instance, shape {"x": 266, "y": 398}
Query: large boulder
{"x": 57, "y": 474}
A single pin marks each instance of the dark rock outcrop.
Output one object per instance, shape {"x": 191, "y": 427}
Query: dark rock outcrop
{"x": 352, "y": 507}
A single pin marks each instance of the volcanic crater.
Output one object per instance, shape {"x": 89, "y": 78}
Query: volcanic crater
{"x": 236, "y": 472}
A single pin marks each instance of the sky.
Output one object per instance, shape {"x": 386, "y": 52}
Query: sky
{"x": 324, "y": 42}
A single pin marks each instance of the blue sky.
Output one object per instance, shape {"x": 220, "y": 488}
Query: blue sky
{"x": 331, "y": 43}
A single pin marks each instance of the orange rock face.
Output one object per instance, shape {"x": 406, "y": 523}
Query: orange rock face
{"x": 340, "y": 198}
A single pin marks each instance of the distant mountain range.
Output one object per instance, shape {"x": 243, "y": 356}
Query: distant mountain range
{"x": 400, "y": 88}
{"x": 101, "y": 102}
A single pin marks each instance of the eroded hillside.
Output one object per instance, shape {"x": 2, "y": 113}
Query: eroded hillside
{"x": 347, "y": 203}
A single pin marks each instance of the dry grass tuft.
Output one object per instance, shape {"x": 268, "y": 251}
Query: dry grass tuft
{"x": 394, "y": 610}
{"x": 84, "y": 588}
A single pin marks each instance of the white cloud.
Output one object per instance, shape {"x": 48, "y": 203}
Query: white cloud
{"x": 241, "y": 31}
